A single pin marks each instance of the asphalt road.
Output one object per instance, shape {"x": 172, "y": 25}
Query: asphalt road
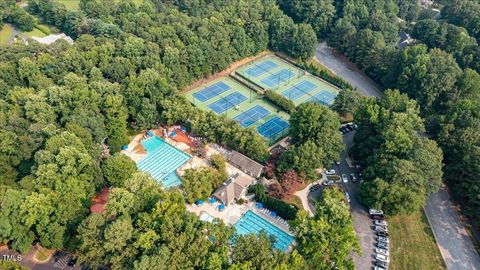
{"x": 345, "y": 69}
{"x": 456, "y": 247}
{"x": 454, "y": 243}
{"x": 27, "y": 260}
{"x": 362, "y": 222}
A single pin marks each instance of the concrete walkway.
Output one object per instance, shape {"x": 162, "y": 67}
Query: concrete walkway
{"x": 303, "y": 195}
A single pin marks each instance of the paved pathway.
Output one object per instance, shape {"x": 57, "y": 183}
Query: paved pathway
{"x": 345, "y": 69}
{"x": 456, "y": 247}
{"x": 452, "y": 239}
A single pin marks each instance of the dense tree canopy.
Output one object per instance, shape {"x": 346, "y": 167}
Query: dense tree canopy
{"x": 403, "y": 166}
{"x": 328, "y": 238}
{"x": 318, "y": 124}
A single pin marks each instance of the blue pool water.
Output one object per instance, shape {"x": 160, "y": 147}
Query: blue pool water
{"x": 253, "y": 223}
{"x": 162, "y": 161}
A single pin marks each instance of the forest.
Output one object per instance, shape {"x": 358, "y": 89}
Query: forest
{"x": 440, "y": 72}
{"x": 65, "y": 110}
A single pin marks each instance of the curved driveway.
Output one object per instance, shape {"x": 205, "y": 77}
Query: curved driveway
{"x": 456, "y": 247}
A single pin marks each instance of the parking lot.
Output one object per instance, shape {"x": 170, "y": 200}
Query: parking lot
{"x": 362, "y": 222}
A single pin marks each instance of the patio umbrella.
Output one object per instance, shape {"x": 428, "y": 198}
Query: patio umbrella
{"x": 124, "y": 147}
{"x": 259, "y": 205}
{"x": 213, "y": 200}
{"x": 199, "y": 202}
{"x": 273, "y": 213}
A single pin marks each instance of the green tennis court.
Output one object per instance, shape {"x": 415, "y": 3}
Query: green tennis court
{"x": 273, "y": 73}
{"x": 225, "y": 96}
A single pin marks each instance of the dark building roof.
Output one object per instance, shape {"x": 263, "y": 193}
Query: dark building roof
{"x": 245, "y": 164}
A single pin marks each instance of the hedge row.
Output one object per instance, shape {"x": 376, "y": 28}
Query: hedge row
{"x": 283, "y": 209}
{"x": 281, "y": 101}
{"x": 333, "y": 79}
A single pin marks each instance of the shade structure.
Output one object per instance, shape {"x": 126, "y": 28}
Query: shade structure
{"x": 259, "y": 205}
{"x": 213, "y": 200}
{"x": 199, "y": 202}
{"x": 173, "y": 134}
{"x": 124, "y": 147}
{"x": 273, "y": 214}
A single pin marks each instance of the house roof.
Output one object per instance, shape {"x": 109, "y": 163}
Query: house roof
{"x": 233, "y": 188}
{"x": 245, "y": 164}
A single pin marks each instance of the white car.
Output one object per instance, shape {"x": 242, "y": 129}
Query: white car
{"x": 375, "y": 212}
{"x": 380, "y": 229}
{"x": 330, "y": 172}
{"x": 347, "y": 196}
{"x": 328, "y": 183}
{"x": 345, "y": 178}
{"x": 383, "y": 239}
{"x": 380, "y": 223}
{"x": 381, "y": 251}
{"x": 378, "y": 268}
{"x": 381, "y": 258}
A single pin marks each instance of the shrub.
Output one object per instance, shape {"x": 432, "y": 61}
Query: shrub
{"x": 335, "y": 80}
{"x": 281, "y": 101}
{"x": 283, "y": 209}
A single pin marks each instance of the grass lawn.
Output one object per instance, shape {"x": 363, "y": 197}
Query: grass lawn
{"x": 35, "y": 33}
{"x": 69, "y": 4}
{"x": 43, "y": 254}
{"x": 5, "y": 33}
{"x": 413, "y": 245}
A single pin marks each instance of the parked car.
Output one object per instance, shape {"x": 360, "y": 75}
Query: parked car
{"x": 378, "y": 268}
{"x": 330, "y": 172}
{"x": 380, "y": 223}
{"x": 347, "y": 196}
{"x": 382, "y": 245}
{"x": 328, "y": 183}
{"x": 381, "y": 251}
{"x": 315, "y": 187}
{"x": 72, "y": 262}
{"x": 383, "y": 234}
{"x": 375, "y": 212}
{"x": 337, "y": 162}
{"x": 382, "y": 258}
{"x": 345, "y": 178}
{"x": 354, "y": 178}
{"x": 380, "y": 229}
{"x": 383, "y": 239}
{"x": 381, "y": 264}
{"x": 377, "y": 217}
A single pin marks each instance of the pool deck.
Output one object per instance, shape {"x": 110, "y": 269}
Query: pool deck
{"x": 233, "y": 213}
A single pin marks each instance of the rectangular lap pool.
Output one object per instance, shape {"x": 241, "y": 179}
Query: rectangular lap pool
{"x": 253, "y": 223}
{"x": 162, "y": 161}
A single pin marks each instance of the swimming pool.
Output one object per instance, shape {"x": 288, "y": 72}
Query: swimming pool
{"x": 253, "y": 223}
{"x": 162, "y": 161}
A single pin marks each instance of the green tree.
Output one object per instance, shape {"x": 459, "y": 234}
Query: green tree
{"x": 303, "y": 42}
{"x": 118, "y": 169}
{"x": 318, "y": 124}
{"x": 327, "y": 239}
{"x": 347, "y": 102}
{"x": 303, "y": 159}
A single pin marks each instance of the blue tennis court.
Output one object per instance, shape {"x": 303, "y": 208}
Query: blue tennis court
{"x": 225, "y": 103}
{"x": 261, "y": 68}
{"x": 278, "y": 77}
{"x": 299, "y": 89}
{"x": 252, "y": 115}
{"x": 272, "y": 127}
{"x": 211, "y": 91}
{"x": 324, "y": 97}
